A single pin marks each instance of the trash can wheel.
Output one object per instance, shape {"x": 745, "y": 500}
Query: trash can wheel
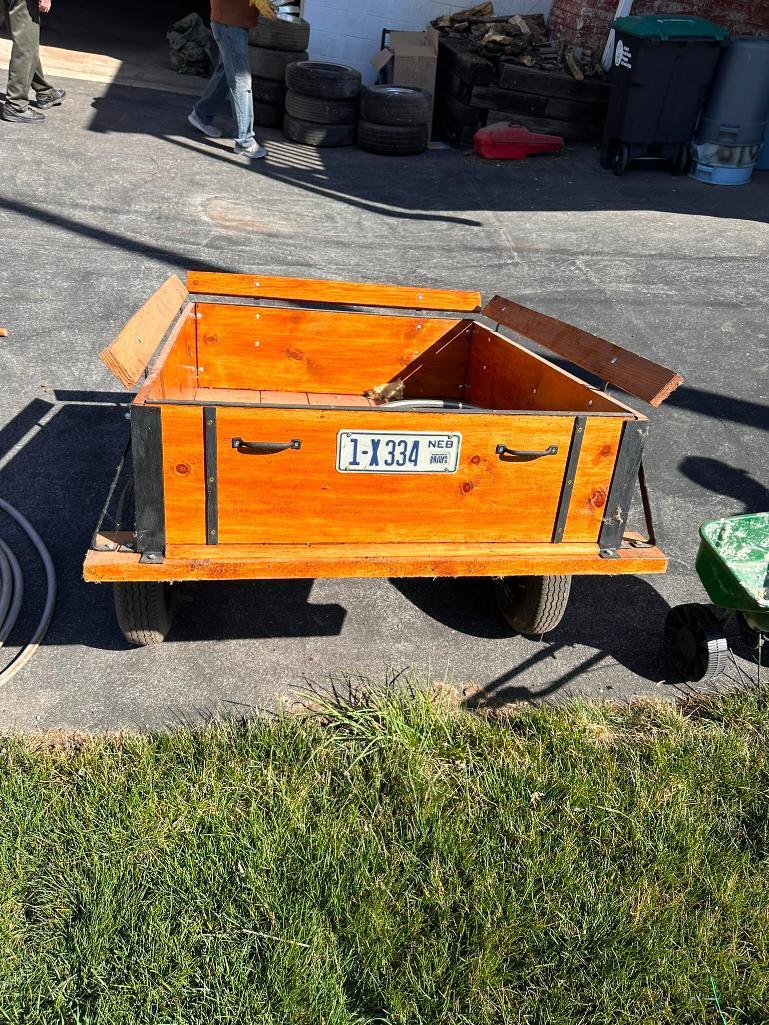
{"x": 620, "y": 160}
{"x": 533, "y": 605}
{"x": 144, "y": 611}
{"x": 694, "y": 637}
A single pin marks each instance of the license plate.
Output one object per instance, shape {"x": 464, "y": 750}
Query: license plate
{"x": 397, "y": 452}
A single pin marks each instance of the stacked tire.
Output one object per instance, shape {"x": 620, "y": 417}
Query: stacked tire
{"x": 394, "y": 120}
{"x": 274, "y": 46}
{"x": 321, "y": 103}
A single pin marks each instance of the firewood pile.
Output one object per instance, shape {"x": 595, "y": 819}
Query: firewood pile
{"x": 500, "y": 68}
{"x": 522, "y": 39}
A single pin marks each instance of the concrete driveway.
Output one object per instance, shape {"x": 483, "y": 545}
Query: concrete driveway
{"x": 114, "y": 192}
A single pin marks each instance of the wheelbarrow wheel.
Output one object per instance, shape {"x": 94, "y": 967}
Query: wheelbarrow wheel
{"x": 144, "y": 612}
{"x": 695, "y": 639}
{"x": 533, "y": 605}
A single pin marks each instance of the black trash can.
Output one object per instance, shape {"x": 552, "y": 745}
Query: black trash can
{"x": 663, "y": 65}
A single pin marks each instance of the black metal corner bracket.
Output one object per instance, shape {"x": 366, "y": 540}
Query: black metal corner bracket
{"x": 626, "y": 470}
{"x": 149, "y": 495}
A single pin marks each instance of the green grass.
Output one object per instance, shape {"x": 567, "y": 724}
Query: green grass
{"x": 397, "y": 862}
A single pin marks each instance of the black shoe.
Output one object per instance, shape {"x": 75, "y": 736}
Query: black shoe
{"x": 22, "y": 117}
{"x": 52, "y": 99}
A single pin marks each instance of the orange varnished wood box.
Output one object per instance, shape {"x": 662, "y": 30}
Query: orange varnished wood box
{"x": 296, "y": 428}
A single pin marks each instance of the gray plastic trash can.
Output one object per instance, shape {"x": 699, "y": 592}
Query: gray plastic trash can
{"x": 737, "y": 110}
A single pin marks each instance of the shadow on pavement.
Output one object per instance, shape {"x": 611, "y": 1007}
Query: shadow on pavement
{"x": 730, "y": 481}
{"x": 621, "y": 617}
{"x": 430, "y": 184}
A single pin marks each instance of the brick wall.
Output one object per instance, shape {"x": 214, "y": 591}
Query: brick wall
{"x": 586, "y": 22}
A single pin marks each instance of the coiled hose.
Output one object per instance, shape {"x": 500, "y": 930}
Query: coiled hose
{"x": 12, "y": 593}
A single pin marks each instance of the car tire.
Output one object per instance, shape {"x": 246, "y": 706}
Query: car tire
{"x": 326, "y": 81}
{"x": 320, "y": 111}
{"x": 308, "y": 133}
{"x": 268, "y": 115}
{"x": 397, "y": 140}
{"x": 272, "y": 63}
{"x": 291, "y": 36}
{"x": 395, "y": 105}
{"x": 268, "y": 90}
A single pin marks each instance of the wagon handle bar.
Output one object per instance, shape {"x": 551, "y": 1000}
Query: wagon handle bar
{"x": 264, "y": 448}
{"x": 519, "y": 453}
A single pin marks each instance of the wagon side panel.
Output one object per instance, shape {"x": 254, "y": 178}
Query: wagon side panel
{"x": 297, "y": 494}
{"x": 292, "y": 350}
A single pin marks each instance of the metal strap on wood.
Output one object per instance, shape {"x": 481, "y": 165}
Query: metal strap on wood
{"x": 632, "y": 373}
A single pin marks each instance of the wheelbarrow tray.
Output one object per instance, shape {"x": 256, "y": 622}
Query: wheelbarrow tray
{"x": 261, "y": 437}
{"x": 733, "y": 564}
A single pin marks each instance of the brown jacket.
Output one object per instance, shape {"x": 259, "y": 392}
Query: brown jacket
{"x": 239, "y": 13}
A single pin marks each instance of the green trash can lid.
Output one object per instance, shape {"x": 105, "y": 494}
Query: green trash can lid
{"x": 669, "y": 26}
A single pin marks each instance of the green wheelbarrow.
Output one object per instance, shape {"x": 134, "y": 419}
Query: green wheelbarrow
{"x": 733, "y": 565}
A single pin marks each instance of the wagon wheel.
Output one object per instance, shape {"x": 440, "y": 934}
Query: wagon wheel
{"x": 145, "y": 611}
{"x": 695, "y": 639}
{"x": 533, "y": 605}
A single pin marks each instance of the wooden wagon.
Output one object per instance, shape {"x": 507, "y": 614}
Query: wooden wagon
{"x": 294, "y": 428}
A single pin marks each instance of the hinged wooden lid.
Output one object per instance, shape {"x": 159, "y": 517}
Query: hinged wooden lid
{"x": 129, "y": 354}
{"x": 353, "y": 293}
{"x": 632, "y": 373}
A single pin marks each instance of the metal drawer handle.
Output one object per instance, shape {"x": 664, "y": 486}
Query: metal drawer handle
{"x": 263, "y": 448}
{"x": 507, "y": 454}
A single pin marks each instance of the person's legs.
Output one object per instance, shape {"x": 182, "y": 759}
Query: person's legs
{"x": 214, "y": 99}
{"x": 22, "y": 19}
{"x": 233, "y": 47}
{"x": 40, "y": 83}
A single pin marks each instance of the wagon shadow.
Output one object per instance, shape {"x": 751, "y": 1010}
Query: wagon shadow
{"x": 65, "y": 450}
{"x": 621, "y": 618}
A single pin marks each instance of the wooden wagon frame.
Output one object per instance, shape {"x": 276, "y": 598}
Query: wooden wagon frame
{"x": 237, "y": 430}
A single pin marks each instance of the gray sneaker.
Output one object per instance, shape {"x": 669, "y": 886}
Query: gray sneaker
{"x": 210, "y": 130}
{"x": 21, "y": 117}
{"x": 253, "y": 150}
{"x": 55, "y": 98}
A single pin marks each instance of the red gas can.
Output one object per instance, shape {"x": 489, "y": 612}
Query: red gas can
{"x": 507, "y": 141}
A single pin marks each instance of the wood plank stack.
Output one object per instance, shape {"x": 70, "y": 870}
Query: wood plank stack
{"x": 487, "y": 75}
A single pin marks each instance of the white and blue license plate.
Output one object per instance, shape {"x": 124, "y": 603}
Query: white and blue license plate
{"x": 397, "y": 452}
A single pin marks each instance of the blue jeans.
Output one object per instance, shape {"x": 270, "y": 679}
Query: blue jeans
{"x": 232, "y": 78}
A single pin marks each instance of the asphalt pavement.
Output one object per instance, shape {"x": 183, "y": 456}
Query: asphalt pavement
{"x": 116, "y": 191}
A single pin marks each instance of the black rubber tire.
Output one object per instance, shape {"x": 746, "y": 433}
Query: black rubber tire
{"x": 620, "y": 160}
{"x": 323, "y": 112}
{"x": 291, "y": 36}
{"x": 395, "y": 140}
{"x": 395, "y": 105}
{"x": 272, "y": 63}
{"x": 694, "y": 638}
{"x": 144, "y": 612}
{"x": 681, "y": 161}
{"x": 268, "y": 90}
{"x": 268, "y": 115}
{"x": 326, "y": 81}
{"x": 308, "y": 133}
{"x": 533, "y": 605}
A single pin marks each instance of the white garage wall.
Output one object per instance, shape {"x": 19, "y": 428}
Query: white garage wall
{"x": 349, "y": 31}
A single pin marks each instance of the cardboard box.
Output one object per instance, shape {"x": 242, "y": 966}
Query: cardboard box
{"x": 408, "y": 59}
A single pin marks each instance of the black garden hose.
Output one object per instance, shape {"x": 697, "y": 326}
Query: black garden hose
{"x": 12, "y": 593}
